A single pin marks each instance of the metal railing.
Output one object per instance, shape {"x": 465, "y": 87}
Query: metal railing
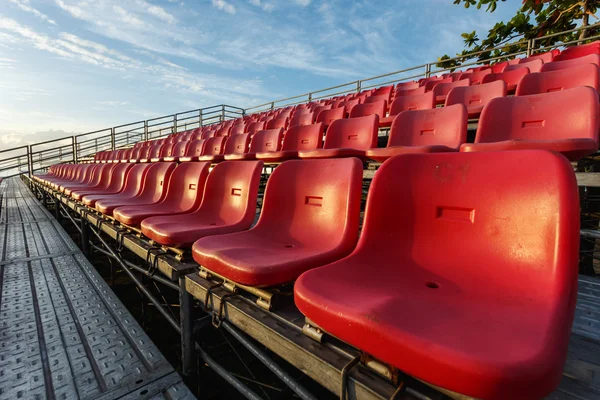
{"x": 70, "y": 149}
{"x": 39, "y": 156}
{"x": 425, "y": 70}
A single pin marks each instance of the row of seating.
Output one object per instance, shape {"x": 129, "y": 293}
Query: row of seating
{"x": 565, "y": 121}
{"x": 485, "y": 251}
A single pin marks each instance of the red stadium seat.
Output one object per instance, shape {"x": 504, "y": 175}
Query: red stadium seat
{"x": 318, "y": 109}
{"x": 131, "y": 188}
{"x": 475, "y": 98}
{"x": 101, "y": 181}
{"x": 222, "y": 131}
{"x": 441, "y": 90}
{"x": 407, "y": 85}
{"x": 498, "y": 67}
{"x": 113, "y": 183}
{"x": 552, "y": 81}
{"x": 378, "y": 108}
{"x": 347, "y": 138}
{"x": 424, "y": 101}
{"x": 575, "y": 62}
{"x": 297, "y": 138}
{"x": 409, "y": 92}
{"x": 228, "y": 205}
{"x": 126, "y": 155}
{"x": 512, "y": 78}
{"x": 571, "y": 53}
{"x": 488, "y": 313}
{"x": 263, "y": 141}
{"x": 533, "y": 66}
{"x": 255, "y": 127}
{"x": 237, "y": 144}
{"x": 183, "y": 195}
{"x": 565, "y": 122}
{"x": 300, "y": 119}
{"x": 165, "y": 151}
{"x": 545, "y": 57}
{"x": 178, "y": 150}
{"x": 329, "y": 116}
{"x": 150, "y": 189}
{"x": 476, "y": 76}
{"x": 479, "y": 68}
{"x": 237, "y": 129}
{"x": 213, "y": 149}
{"x": 134, "y": 156}
{"x": 349, "y": 104}
{"x": 425, "y": 81}
{"x": 425, "y": 131}
{"x": 117, "y": 184}
{"x": 303, "y": 224}
{"x": 154, "y": 152}
{"x": 432, "y": 84}
{"x": 194, "y": 150}
{"x": 278, "y": 122}
{"x": 378, "y": 98}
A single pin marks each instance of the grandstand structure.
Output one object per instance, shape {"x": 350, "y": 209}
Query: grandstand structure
{"x": 423, "y": 234}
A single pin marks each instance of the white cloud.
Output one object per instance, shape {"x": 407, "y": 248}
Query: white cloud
{"x": 223, "y": 5}
{"x": 73, "y": 10}
{"x": 127, "y": 17}
{"x": 157, "y": 11}
{"x": 303, "y": 3}
{"x": 24, "y": 5}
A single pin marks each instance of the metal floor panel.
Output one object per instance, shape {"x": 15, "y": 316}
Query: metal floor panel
{"x": 63, "y": 333}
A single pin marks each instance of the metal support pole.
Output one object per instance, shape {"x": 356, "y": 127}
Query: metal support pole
{"x": 112, "y": 138}
{"x": 200, "y": 124}
{"x": 269, "y": 363}
{"x": 174, "y": 123}
{"x": 529, "y": 47}
{"x": 310, "y": 97}
{"x": 74, "y": 145}
{"x": 188, "y": 350}
{"x": 145, "y": 130}
{"x": 358, "y": 86}
{"x": 85, "y": 236}
{"x": 428, "y": 70}
{"x": 29, "y": 161}
{"x": 222, "y": 112}
{"x": 56, "y": 208}
{"x": 272, "y": 105}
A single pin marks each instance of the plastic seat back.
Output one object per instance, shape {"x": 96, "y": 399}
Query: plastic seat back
{"x": 237, "y": 144}
{"x": 355, "y": 133}
{"x": 222, "y": 131}
{"x": 425, "y": 81}
{"x": 349, "y": 104}
{"x": 430, "y": 85}
{"x": 498, "y": 67}
{"x": 575, "y": 62}
{"x": 231, "y": 192}
{"x": 416, "y": 102}
{"x": 574, "y": 52}
{"x": 167, "y": 150}
{"x": 301, "y": 119}
{"x": 135, "y": 153}
{"x": 509, "y": 77}
{"x": 266, "y": 140}
{"x": 186, "y": 186}
{"x": 476, "y": 96}
{"x": 361, "y": 110}
{"x": 442, "y": 89}
{"x": 552, "y": 81}
{"x": 475, "y": 76}
{"x": 376, "y": 98}
{"x": 237, "y": 129}
{"x": 494, "y": 209}
{"x": 533, "y": 66}
{"x": 155, "y": 182}
{"x": 319, "y": 211}
{"x": 279, "y": 122}
{"x": 306, "y": 137}
{"x": 179, "y": 149}
{"x": 134, "y": 180}
{"x": 145, "y": 153}
{"x": 446, "y": 126}
{"x": 407, "y": 85}
{"x": 255, "y": 127}
{"x": 329, "y": 116}
{"x": 195, "y": 148}
{"x": 544, "y": 57}
{"x": 568, "y": 114}
{"x": 155, "y": 151}
{"x": 318, "y": 109}
{"x": 410, "y": 92}
{"x": 214, "y": 146}
{"x": 117, "y": 177}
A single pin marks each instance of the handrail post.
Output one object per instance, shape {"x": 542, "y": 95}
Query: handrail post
{"x": 310, "y": 96}
{"x": 174, "y": 123}
{"x": 200, "y": 119}
{"x": 222, "y": 112}
{"x": 272, "y": 105}
{"x": 358, "y": 86}
{"x": 145, "y": 130}
{"x": 29, "y": 161}
{"x": 529, "y": 47}
{"x": 74, "y": 144}
{"x": 427, "y": 70}
{"x": 112, "y": 138}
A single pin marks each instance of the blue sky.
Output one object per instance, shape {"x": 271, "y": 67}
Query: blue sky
{"x": 80, "y": 65}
